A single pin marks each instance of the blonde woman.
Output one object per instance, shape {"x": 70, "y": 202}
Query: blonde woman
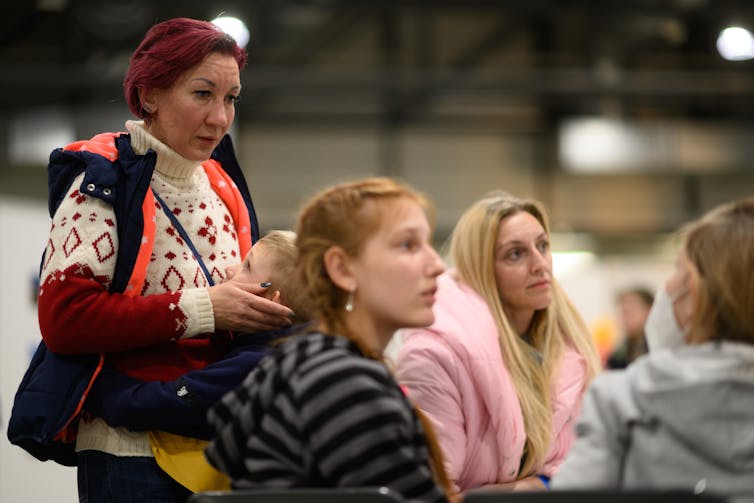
{"x": 324, "y": 411}
{"x": 682, "y": 417}
{"x": 502, "y": 370}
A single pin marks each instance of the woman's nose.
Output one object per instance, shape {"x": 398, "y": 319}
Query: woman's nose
{"x": 540, "y": 261}
{"x": 220, "y": 115}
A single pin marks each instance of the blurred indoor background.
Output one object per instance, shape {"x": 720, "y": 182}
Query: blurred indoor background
{"x": 623, "y": 117}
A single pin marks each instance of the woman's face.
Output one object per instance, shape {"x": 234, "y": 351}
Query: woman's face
{"x": 396, "y": 273}
{"x": 633, "y": 314}
{"x": 193, "y": 115}
{"x": 523, "y": 268}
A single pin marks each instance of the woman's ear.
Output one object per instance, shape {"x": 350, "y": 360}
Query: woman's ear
{"x": 338, "y": 267}
{"x": 148, "y": 99}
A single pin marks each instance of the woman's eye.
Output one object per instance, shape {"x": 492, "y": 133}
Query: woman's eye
{"x": 543, "y": 246}
{"x": 514, "y": 254}
{"x": 203, "y": 94}
{"x": 234, "y": 99}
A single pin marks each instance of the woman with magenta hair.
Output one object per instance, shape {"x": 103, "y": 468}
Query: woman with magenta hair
{"x": 144, "y": 224}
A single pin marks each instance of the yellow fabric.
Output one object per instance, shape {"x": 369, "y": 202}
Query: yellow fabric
{"x": 183, "y": 459}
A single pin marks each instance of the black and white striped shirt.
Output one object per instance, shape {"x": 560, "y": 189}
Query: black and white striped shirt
{"x": 318, "y": 413}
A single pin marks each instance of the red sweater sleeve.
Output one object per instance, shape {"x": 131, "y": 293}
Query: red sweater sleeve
{"x": 78, "y": 315}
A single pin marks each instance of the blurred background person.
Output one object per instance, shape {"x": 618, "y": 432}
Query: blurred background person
{"x": 502, "y": 370}
{"x": 681, "y": 417}
{"x": 633, "y": 308}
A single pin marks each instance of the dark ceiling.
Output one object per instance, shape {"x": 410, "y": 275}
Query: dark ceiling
{"x": 514, "y": 65}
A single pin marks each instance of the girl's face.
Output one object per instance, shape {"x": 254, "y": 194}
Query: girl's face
{"x": 193, "y": 115}
{"x": 681, "y": 287}
{"x": 523, "y": 268}
{"x": 396, "y": 273}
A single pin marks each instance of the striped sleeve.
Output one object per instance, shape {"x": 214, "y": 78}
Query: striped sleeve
{"x": 323, "y": 416}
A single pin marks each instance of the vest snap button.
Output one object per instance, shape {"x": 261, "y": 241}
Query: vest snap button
{"x": 90, "y": 187}
{"x": 107, "y": 192}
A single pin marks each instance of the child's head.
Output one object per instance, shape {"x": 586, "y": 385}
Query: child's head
{"x": 273, "y": 259}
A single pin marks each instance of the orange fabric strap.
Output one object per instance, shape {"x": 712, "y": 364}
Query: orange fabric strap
{"x": 102, "y": 144}
{"x": 226, "y": 188}
{"x": 139, "y": 272}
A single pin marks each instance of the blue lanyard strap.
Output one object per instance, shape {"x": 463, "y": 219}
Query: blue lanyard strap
{"x": 184, "y": 236}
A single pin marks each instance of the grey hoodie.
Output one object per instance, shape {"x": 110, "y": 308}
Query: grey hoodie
{"x": 680, "y": 419}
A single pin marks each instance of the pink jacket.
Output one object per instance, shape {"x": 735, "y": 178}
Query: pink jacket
{"x": 455, "y": 373}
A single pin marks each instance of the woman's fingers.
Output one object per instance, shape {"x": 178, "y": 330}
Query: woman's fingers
{"x": 240, "y": 307}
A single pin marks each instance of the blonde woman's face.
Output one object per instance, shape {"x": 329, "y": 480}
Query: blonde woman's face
{"x": 396, "y": 273}
{"x": 523, "y": 268}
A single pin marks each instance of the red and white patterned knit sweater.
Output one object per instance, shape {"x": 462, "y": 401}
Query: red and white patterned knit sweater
{"x": 163, "y": 333}
{"x": 167, "y": 331}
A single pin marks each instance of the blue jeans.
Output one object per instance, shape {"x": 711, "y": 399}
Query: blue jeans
{"x": 104, "y": 478}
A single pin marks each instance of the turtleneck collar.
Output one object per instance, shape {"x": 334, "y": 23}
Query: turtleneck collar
{"x": 170, "y": 164}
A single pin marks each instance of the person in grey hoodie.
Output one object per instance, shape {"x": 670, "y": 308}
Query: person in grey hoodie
{"x": 682, "y": 416}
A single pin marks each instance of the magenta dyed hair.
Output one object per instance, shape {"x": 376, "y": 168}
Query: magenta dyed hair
{"x": 169, "y": 49}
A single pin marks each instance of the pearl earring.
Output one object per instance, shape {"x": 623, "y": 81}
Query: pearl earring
{"x": 349, "y": 302}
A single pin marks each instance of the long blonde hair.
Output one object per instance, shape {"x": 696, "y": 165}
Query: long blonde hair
{"x": 720, "y": 245}
{"x": 472, "y": 253}
{"x": 346, "y": 215}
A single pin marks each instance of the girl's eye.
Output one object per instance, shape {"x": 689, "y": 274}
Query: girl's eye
{"x": 408, "y": 245}
{"x": 543, "y": 246}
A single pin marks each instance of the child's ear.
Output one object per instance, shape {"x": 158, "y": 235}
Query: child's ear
{"x": 338, "y": 267}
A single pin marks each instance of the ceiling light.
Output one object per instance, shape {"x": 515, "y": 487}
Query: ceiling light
{"x": 735, "y": 44}
{"x": 233, "y": 27}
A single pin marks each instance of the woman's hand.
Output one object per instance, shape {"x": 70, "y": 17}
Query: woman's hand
{"x": 241, "y": 307}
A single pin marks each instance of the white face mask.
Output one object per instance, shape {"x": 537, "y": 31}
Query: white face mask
{"x": 661, "y": 328}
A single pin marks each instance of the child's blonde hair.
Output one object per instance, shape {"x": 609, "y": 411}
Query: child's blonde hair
{"x": 281, "y": 248}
